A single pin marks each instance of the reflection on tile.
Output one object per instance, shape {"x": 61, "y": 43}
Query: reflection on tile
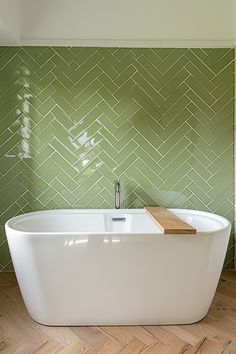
{"x": 72, "y": 120}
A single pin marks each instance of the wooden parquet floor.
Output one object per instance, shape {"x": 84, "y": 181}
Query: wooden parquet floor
{"x": 216, "y": 334}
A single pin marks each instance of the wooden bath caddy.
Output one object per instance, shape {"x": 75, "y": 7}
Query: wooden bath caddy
{"x": 168, "y": 222}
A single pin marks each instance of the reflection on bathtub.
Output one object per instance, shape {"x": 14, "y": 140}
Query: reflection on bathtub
{"x": 82, "y": 271}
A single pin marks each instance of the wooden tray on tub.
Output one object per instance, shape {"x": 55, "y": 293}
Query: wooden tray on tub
{"x": 168, "y": 222}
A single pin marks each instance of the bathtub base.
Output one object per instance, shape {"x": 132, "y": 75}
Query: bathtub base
{"x": 118, "y": 277}
{"x": 115, "y": 323}
{"x": 97, "y": 285}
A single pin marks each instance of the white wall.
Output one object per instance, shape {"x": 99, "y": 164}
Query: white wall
{"x": 194, "y": 20}
{"x": 10, "y": 21}
{"x": 165, "y": 22}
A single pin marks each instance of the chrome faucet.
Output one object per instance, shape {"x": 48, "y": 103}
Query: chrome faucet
{"x": 117, "y": 194}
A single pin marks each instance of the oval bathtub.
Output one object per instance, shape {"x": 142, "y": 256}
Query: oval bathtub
{"x": 115, "y": 267}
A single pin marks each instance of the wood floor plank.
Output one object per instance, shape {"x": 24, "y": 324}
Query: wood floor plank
{"x": 207, "y": 346}
{"x": 106, "y": 346}
{"x": 177, "y": 346}
{"x": 156, "y": 348}
{"x": 215, "y": 334}
{"x": 75, "y": 348}
{"x": 161, "y": 333}
{"x": 62, "y": 335}
{"x": 50, "y": 347}
{"x": 135, "y": 346}
{"x": 118, "y": 333}
{"x": 89, "y": 335}
{"x": 140, "y": 333}
{"x": 183, "y": 334}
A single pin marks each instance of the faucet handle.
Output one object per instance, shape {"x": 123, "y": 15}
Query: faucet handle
{"x": 117, "y": 185}
{"x": 117, "y": 194}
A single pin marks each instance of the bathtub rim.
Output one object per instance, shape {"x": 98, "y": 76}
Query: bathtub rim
{"x": 10, "y": 223}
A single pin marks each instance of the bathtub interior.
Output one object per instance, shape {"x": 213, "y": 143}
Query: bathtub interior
{"x": 109, "y": 221}
{"x": 91, "y": 222}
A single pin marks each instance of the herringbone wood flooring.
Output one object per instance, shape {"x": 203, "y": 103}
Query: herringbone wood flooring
{"x": 216, "y": 334}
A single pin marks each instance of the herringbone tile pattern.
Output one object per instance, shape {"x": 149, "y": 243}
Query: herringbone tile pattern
{"x": 73, "y": 119}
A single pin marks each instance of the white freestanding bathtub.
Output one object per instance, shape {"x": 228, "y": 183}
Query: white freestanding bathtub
{"x": 115, "y": 267}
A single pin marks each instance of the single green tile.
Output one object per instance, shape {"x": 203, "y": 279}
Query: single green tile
{"x": 173, "y": 84}
{"x": 196, "y": 189}
{"x": 151, "y": 91}
{"x": 224, "y": 112}
{"x": 143, "y": 71}
{"x": 220, "y": 90}
{"x": 222, "y": 141}
{"x": 84, "y": 79}
{"x": 200, "y": 90}
{"x": 224, "y": 156}
{"x": 107, "y": 83}
{"x": 127, "y": 113}
{"x": 225, "y": 72}
{"x": 175, "y": 139}
{"x": 86, "y": 108}
{"x": 203, "y": 106}
{"x": 192, "y": 56}
{"x": 173, "y": 98}
{"x": 125, "y": 139}
{"x": 173, "y": 151}
{"x": 223, "y": 100}
{"x": 124, "y": 76}
{"x": 107, "y": 110}
{"x": 125, "y": 61}
{"x": 170, "y": 168}
{"x": 172, "y": 70}
{"x": 125, "y": 164}
{"x": 195, "y": 72}
{"x": 60, "y": 160}
{"x": 45, "y": 69}
{"x": 107, "y": 97}
{"x": 179, "y": 173}
{"x": 61, "y": 65}
{"x": 110, "y": 70}
{"x": 223, "y": 60}
{"x": 129, "y": 148}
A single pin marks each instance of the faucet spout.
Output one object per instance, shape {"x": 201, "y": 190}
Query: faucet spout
{"x": 117, "y": 194}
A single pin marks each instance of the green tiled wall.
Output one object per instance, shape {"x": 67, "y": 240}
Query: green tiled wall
{"x": 74, "y": 119}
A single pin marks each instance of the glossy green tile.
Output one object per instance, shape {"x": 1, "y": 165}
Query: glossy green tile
{"x": 107, "y": 97}
{"x": 173, "y": 84}
{"x": 219, "y": 90}
{"x": 127, "y": 149}
{"x": 221, "y": 75}
{"x": 192, "y": 56}
{"x": 74, "y": 119}
{"x": 201, "y": 104}
{"x": 84, "y": 79}
{"x": 169, "y": 180}
{"x": 175, "y": 139}
{"x": 200, "y": 90}
{"x": 173, "y": 98}
{"x": 173, "y": 153}
{"x": 223, "y": 60}
{"x": 123, "y": 142}
{"x": 224, "y": 112}
{"x": 223, "y": 100}
{"x": 176, "y": 66}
